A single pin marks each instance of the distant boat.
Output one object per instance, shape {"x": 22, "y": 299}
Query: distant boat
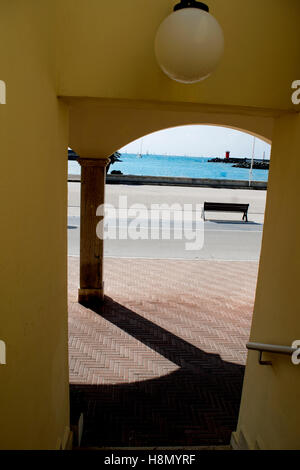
{"x": 140, "y": 155}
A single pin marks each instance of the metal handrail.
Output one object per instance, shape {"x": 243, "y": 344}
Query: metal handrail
{"x": 270, "y": 348}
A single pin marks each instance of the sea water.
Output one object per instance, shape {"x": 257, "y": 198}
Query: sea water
{"x": 178, "y": 166}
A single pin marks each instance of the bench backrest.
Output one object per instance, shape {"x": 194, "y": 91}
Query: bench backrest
{"x": 225, "y": 206}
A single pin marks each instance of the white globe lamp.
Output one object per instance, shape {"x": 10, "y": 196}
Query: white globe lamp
{"x": 189, "y": 43}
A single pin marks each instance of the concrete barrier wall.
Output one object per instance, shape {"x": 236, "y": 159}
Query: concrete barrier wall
{"x": 171, "y": 181}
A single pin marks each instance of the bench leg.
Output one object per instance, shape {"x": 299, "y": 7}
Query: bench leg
{"x": 245, "y": 217}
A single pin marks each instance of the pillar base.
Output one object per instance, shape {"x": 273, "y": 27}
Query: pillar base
{"x": 90, "y": 295}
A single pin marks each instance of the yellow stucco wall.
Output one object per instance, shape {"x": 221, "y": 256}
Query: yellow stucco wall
{"x": 122, "y": 121}
{"x": 270, "y": 412}
{"x": 106, "y": 50}
{"x": 33, "y": 193}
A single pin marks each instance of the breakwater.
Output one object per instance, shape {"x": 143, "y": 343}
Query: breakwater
{"x": 243, "y": 163}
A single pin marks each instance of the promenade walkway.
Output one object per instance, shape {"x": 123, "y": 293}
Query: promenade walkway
{"x": 162, "y": 363}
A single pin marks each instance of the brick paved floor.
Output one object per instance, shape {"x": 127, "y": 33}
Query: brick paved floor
{"x": 162, "y": 362}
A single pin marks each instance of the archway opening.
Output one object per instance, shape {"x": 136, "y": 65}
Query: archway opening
{"x": 176, "y": 320}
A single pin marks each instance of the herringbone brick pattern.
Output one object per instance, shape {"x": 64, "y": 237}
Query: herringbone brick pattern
{"x": 162, "y": 362}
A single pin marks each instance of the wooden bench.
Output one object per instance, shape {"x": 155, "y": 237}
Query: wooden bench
{"x": 226, "y": 207}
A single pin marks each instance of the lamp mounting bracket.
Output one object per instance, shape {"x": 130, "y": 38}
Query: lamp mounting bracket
{"x": 191, "y": 4}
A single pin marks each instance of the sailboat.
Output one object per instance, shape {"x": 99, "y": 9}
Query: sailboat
{"x": 140, "y": 155}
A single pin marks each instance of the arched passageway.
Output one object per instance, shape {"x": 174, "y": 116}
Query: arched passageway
{"x": 171, "y": 343}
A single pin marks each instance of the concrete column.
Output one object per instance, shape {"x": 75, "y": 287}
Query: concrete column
{"x": 93, "y": 172}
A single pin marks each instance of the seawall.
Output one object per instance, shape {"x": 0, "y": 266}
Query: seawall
{"x": 173, "y": 181}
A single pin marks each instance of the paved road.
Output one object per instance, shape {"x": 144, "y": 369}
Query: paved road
{"x": 225, "y": 236}
{"x": 223, "y": 240}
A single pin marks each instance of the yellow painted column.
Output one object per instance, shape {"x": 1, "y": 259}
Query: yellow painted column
{"x": 93, "y": 174}
{"x": 34, "y": 135}
{"x": 270, "y": 413}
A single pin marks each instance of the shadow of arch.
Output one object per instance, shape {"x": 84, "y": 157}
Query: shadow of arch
{"x": 197, "y": 404}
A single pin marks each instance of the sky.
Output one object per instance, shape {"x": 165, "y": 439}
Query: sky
{"x": 198, "y": 141}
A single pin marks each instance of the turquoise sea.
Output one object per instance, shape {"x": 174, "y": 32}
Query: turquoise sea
{"x": 188, "y": 167}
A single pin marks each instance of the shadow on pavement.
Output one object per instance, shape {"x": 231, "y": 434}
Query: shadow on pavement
{"x": 233, "y": 222}
{"x": 198, "y": 404}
